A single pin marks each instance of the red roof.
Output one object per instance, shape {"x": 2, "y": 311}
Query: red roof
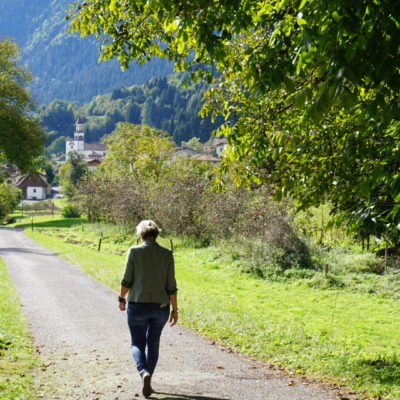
{"x": 79, "y": 121}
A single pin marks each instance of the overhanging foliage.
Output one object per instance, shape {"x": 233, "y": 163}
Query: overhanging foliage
{"x": 310, "y": 89}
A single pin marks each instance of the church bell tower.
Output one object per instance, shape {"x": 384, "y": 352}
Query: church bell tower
{"x": 79, "y": 136}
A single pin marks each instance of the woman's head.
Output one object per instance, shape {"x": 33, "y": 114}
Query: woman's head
{"x": 147, "y": 229}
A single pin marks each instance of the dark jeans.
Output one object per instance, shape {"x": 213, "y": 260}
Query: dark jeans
{"x": 146, "y": 322}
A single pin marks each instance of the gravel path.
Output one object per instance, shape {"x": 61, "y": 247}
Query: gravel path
{"x": 83, "y": 340}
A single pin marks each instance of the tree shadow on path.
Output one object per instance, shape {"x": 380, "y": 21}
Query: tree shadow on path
{"x": 24, "y": 250}
{"x": 176, "y": 396}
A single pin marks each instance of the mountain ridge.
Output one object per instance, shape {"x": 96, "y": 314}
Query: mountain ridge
{"x": 64, "y": 65}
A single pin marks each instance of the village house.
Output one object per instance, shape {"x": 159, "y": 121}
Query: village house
{"x": 216, "y": 146}
{"x": 34, "y": 186}
{"x": 92, "y": 163}
{"x": 212, "y": 152}
{"x": 92, "y": 153}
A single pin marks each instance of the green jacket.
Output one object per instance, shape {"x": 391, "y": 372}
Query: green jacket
{"x": 149, "y": 273}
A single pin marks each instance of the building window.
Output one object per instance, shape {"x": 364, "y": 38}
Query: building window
{"x": 34, "y": 190}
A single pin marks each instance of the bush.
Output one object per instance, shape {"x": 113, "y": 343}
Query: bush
{"x": 275, "y": 252}
{"x": 179, "y": 198}
{"x": 320, "y": 281}
{"x": 363, "y": 263}
{"x": 70, "y": 211}
{"x": 9, "y": 220}
{"x": 295, "y": 274}
{"x": 346, "y": 260}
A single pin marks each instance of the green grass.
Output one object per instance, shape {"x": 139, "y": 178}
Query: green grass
{"x": 334, "y": 335}
{"x": 293, "y": 326}
{"x": 17, "y": 358}
{"x": 45, "y": 221}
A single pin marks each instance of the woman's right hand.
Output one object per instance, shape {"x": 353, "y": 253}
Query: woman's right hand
{"x": 173, "y": 319}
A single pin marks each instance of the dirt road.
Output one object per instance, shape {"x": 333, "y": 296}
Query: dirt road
{"x": 84, "y": 342}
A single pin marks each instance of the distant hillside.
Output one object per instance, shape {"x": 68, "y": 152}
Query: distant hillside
{"x": 162, "y": 103}
{"x": 65, "y": 66}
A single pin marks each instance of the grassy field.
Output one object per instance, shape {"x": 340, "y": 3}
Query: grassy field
{"x": 44, "y": 221}
{"x": 17, "y": 358}
{"x": 333, "y": 335}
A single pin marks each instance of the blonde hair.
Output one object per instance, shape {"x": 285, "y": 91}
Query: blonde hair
{"x": 147, "y": 229}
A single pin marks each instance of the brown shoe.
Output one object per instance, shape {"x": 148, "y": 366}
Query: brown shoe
{"x": 146, "y": 380}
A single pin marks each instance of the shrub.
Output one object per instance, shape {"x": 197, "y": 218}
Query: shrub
{"x": 179, "y": 198}
{"x": 344, "y": 260}
{"x": 320, "y": 281}
{"x": 363, "y": 263}
{"x": 9, "y": 199}
{"x": 295, "y": 274}
{"x": 9, "y": 220}
{"x": 273, "y": 253}
{"x": 70, "y": 211}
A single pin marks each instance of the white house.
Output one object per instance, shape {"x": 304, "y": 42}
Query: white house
{"x": 220, "y": 145}
{"x": 88, "y": 151}
{"x": 216, "y": 146}
{"x": 34, "y": 186}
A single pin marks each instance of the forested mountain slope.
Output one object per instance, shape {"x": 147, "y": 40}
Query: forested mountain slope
{"x": 65, "y": 66}
{"x": 162, "y": 103}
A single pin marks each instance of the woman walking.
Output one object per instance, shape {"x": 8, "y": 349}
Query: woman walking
{"x": 149, "y": 281}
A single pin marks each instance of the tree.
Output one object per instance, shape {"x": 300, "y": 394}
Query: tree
{"x": 22, "y": 138}
{"x": 71, "y": 173}
{"x": 309, "y": 89}
{"x": 138, "y": 150}
{"x": 333, "y": 42}
{"x": 194, "y": 143}
{"x": 9, "y": 199}
{"x": 91, "y": 196}
{"x": 133, "y": 113}
{"x": 58, "y": 117}
{"x": 57, "y": 147}
{"x": 46, "y": 167}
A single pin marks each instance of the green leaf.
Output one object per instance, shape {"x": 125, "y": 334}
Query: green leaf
{"x": 301, "y": 22}
{"x": 364, "y": 188}
{"x": 302, "y": 4}
{"x": 301, "y": 98}
{"x": 336, "y": 16}
{"x": 330, "y": 224}
{"x": 288, "y": 83}
{"x": 282, "y": 4}
{"x": 350, "y": 52}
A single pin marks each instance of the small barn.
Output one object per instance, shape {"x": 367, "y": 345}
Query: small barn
{"x": 34, "y": 186}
